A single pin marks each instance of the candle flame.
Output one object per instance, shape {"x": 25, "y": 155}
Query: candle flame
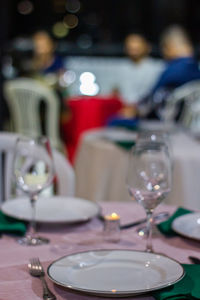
{"x": 113, "y": 216}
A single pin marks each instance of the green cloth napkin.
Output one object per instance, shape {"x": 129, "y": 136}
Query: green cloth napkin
{"x": 165, "y": 227}
{"x": 127, "y": 145}
{"x": 186, "y": 288}
{"x": 11, "y": 225}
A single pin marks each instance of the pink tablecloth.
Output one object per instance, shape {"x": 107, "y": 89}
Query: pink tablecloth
{"x": 16, "y": 283}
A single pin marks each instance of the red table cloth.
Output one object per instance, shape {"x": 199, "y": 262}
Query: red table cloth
{"x": 86, "y": 113}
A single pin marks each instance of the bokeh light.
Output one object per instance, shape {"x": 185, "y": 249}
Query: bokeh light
{"x": 60, "y": 30}
{"x": 70, "y": 21}
{"x": 73, "y": 6}
{"x": 87, "y": 77}
{"x": 67, "y": 78}
{"x": 88, "y": 85}
{"x": 25, "y": 7}
{"x": 84, "y": 41}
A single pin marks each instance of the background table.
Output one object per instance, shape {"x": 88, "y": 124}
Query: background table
{"x": 16, "y": 283}
{"x": 101, "y": 168}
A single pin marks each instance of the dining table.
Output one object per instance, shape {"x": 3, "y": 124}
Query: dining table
{"x": 66, "y": 239}
{"x": 102, "y": 161}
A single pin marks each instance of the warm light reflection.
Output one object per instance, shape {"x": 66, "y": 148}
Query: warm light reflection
{"x": 60, "y": 30}
{"x": 141, "y": 233}
{"x": 156, "y": 187}
{"x": 112, "y": 217}
{"x": 70, "y": 21}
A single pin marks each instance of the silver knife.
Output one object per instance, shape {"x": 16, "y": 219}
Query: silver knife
{"x": 158, "y": 217}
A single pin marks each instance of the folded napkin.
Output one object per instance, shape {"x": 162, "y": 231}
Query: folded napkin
{"x": 127, "y": 145}
{"x": 11, "y": 225}
{"x": 165, "y": 227}
{"x": 186, "y": 288}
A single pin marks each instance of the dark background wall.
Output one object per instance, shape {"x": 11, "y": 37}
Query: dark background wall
{"x": 105, "y": 22}
{"x": 102, "y": 25}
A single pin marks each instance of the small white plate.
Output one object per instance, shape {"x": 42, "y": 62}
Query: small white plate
{"x": 56, "y": 209}
{"x": 188, "y": 225}
{"x": 115, "y": 273}
{"x": 114, "y": 135}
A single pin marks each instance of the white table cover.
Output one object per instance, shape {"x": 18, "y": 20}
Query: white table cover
{"x": 101, "y": 168}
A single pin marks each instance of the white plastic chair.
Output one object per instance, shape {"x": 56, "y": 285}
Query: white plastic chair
{"x": 189, "y": 93}
{"x": 24, "y": 96}
{"x": 64, "y": 171}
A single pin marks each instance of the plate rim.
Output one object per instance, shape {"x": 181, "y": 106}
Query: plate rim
{"x": 110, "y": 293}
{"x": 52, "y": 221}
{"x": 104, "y": 134}
{"x": 180, "y": 232}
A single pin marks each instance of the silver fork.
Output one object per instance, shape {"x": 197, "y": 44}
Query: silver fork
{"x": 36, "y": 269}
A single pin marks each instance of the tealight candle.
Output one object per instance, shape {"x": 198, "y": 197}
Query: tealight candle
{"x": 112, "y": 217}
{"x": 112, "y": 227}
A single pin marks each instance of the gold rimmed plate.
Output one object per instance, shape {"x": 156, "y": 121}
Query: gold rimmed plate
{"x": 115, "y": 273}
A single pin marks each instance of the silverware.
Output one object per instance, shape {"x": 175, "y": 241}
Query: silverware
{"x": 36, "y": 270}
{"x": 160, "y": 216}
{"x": 194, "y": 260}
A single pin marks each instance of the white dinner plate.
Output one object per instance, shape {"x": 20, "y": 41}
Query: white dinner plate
{"x": 188, "y": 225}
{"x": 115, "y": 273}
{"x": 54, "y": 209}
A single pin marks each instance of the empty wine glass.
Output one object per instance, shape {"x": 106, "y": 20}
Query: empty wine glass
{"x": 33, "y": 172}
{"x": 149, "y": 178}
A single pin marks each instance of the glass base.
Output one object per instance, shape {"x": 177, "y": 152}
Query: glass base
{"x": 33, "y": 241}
{"x": 160, "y": 217}
{"x": 142, "y": 231}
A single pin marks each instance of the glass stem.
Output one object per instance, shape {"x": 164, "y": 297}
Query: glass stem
{"x": 32, "y": 229}
{"x": 149, "y": 247}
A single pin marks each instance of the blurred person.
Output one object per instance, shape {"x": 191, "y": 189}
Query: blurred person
{"x": 44, "y": 63}
{"x": 45, "y": 60}
{"x": 136, "y": 47}
{"x": 140, "y": 70}
{"x": 181, "y": 68}
{"x": 139, "y": 73}
{"x": 46, "y": 66}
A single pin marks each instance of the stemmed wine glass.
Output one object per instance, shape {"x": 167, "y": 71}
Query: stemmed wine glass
{"x": 149, "y": 177}
{"x": 33, "y": 172}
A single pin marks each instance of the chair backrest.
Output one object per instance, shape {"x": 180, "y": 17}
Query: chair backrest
{"x": 24, "y": 97}
{"x": 64, "y": 171}
{"x": 189, "y": 93}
